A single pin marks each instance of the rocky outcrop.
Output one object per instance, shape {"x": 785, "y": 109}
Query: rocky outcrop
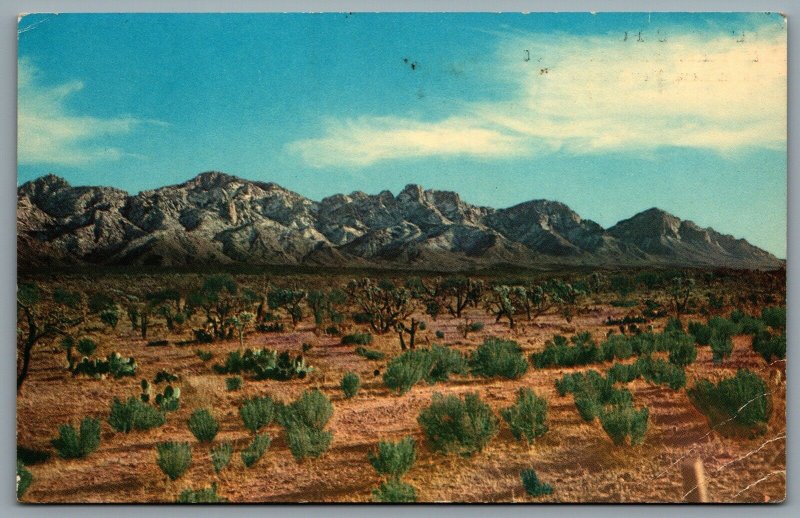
{"x": 217, "y": 218}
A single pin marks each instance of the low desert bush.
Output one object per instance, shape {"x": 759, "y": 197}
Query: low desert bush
{"x": 431, "y": 365}
{"x": 304, "y": 421}
{"x": 257, "y": 412}
{"x": 770, "y": 346}
{"x": 72, "y": 444}
{"x": 204, "y": 355}
{"x": 394, "y": 491}
{"x": 527, "y": 416}
{"x": 24, "y": 479}
{"x": 582, "y": 351}
{"x": 134, "y": 414}
{"x": 255, "y": 450}
{"x": 721, "y": 346}
{"x": 394, "y": 459}
{"x": 370, "y": 354}
{"x": 174, "y": 458}
{"x": 774, "y": 317}
{"x": 701, "y": 332}
{"x": 233, "y": 383}
{"x": 533, "y": 486}
{"x": 221, "y": 456}
{"x": 201, "y": 496}
{"x": 462, "y": 425}
{"x": 203, "y": 425}
{"x": 350, "y": 384}
{"x": 737, "y": 405}
{"x": 498, "y": 358}
{"x": 357, "y": 339}
{"x": 625, "y": 422}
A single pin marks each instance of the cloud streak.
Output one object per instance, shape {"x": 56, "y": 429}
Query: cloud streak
{"x": 597, "y": 94}
{"x": 47, "y": 133}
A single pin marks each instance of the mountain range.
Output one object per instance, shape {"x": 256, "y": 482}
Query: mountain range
{"x": 219, "y": 219}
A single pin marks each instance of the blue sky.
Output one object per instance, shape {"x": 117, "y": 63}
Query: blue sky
{"x": 609, "y": 113}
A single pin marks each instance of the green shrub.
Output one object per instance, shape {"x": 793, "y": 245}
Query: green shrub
{"x": 221, "y": 456}
{"x": 770, "y": 346}
{"x": 394, "y": 491}
{"x": 201, "y": 496}
{"x": 721, "y": 346}
{"x": 440, "y": 334}
{"x": 738, "y": 404}
{"x": 624, "y": 373}
{"x": 673, "y": 325}
{"x": 256, "y": 449}
{"x": 431, "y": 365}
{"x": 527, "y": 416}
{"x": 163, "y": 375}
{"x": 616, "y": 347}
{"x": 72, "y": 444}
{"x": 774, "y": 317}
{"x": 86, "y": 346}
{"x": 304, "y": 421}
{"x": 453, "y": 424}
{"x": 134, "y": 415}
{"x": 204, "y": 355}
{"x": 370, "y": 354}
{"x": 701, "y": 333}
{"x": 533, "y": 486}
{"x": 174, "y": 458}
{"x": 591, "y": 392}
{"x": 350, "y": 384}
{"x": 660, "y": 372}
{"x": 683, "y": 352}
{"x": 357, "y": 339}
{"x": 257, "y": 412}
{"x": 498, "y": 358}
{"x": 559, "y": 352}
{"x": 623, "y": 421}
{"x": 233, "y": 383}
{"x": 394, "y": 459}
{"x": 203, "y": 425}
{"x": 312, "y": 409}
{"x": 723, "y": 327}
{"x": 24, "y": 479}
{"x": 306, "y": 442}
{"x": 30, "y": 456}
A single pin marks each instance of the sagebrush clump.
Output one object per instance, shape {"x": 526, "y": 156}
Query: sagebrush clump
{"x": 527, "y": 416}
{"x": 394, "y": 491}
{"x": 304, "y": 421}
{"x": 533, "y": 486}
{"x": 257, "y": 412}
{"x": 255, "y": 450}
{"x": 431, "y": 365}
{"x": 499, "y": 358}
{"x": 350, "y": 384}
{"x": 201, "y": 496}
{"x": 625, "y": 422}
{"x": 134, "y": 414}
{"x": 458, "y": 425}
{"x": 72, "y": 444}
{"x": 221, "y": 456}
{"x": 737, "y": 405}
{"x": 394, "y": 459}
{"x": 203, "y": 425}
{"x": 174, "y": 458}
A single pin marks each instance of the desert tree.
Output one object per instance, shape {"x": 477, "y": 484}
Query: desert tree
{"x": 326, "y": 306}
{"x": 382, "y": 303}
{"x": 459, "y": 292}
{"x": 681, "y": 288}
{"x": 40, "y": 317}
{"x": 289, "y": 300}
{"x": 218, "y": 299}
{"x": 503, "y": 302}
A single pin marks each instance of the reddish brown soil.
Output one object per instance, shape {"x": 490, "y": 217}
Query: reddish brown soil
{"x": 576, "y": 458}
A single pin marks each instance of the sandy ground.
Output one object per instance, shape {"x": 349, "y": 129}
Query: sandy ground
{"x": 576, "y": 458}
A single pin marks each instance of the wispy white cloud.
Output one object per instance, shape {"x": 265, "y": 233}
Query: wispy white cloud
{"x": 48, "y": 133}
{"x": 366, "y": 140}
{"x": 591, "y": 95}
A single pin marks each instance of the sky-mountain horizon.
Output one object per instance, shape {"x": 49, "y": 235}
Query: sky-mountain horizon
{"x": 610, "y": 114}
{"x": 220, "y": 219}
